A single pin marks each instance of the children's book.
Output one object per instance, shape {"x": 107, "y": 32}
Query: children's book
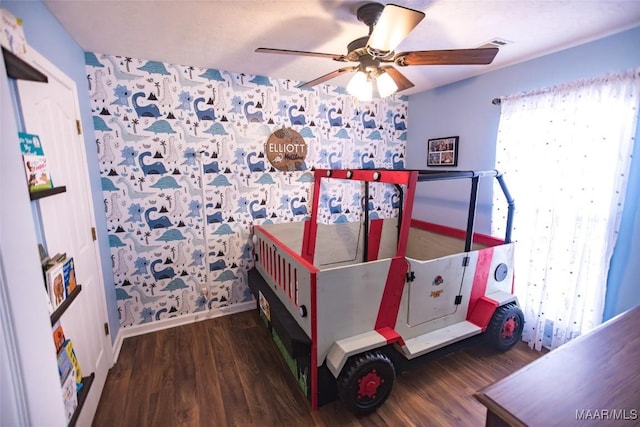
{"x": 71, "y": 355}
{"x": 69, "y": 396}
{"x": 58, "y": 336}
{"x": 35, "y": 162}
{"x": 61, "y": 280}
{"x": 69, "y": 277}
{"x": 65, "y": 365}
{"x": 69, "y": 371}
{"x": 55, "y": 284}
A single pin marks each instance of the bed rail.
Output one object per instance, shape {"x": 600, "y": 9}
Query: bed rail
{"x": 290, "y": 277}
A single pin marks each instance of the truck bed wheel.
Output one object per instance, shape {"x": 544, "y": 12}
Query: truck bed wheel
{"x": 505, "y": 328}
{"x": 366, "y": 382}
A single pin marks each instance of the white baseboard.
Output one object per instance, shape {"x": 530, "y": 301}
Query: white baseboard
{"x": 172, "y": 322}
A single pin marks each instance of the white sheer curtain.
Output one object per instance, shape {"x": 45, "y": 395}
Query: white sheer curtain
{"x": 566, "y": 153}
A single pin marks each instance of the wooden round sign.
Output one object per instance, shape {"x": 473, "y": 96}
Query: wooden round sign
{"x": 286, "y": 149}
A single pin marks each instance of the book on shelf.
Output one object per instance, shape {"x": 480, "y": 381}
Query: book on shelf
{"x": 58, "y": 336}
{"x": 71, "y": 355}
{"x": 48, "y": 262}
{"x": 65, "y": 365}
{"x": 35, "y": 162}
{"x": 69, "y": 396}
{"x": 61, "y": 280}
{"x": 69, "y": 276}
{"x": 67, "y": 371}
{"x": 55, "y": 284}
{"x": 12, "y": 36}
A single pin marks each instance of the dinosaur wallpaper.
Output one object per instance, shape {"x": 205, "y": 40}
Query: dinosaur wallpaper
{"x": 184, "y": 174}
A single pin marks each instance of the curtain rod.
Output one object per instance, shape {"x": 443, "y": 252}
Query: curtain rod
{"x": 496, "y": 101}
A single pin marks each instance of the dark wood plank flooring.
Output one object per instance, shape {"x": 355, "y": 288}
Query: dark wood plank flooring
{"x": 227, "y": 372}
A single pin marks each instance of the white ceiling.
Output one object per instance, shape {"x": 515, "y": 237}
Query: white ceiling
{"x": 223, "y": 34}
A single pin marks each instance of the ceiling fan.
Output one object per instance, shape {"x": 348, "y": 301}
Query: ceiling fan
{"x": 388, "y": 26}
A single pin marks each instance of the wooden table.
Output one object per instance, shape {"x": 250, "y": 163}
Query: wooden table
{"x": 592, "y": 380}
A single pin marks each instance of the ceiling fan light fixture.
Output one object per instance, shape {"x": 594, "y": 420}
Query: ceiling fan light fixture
{"x": 394, "y": 24}
{"x": 360, "y": 86}
{"x": 386, "y": 85}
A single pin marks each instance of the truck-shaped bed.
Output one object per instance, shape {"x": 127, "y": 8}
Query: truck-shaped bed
{"x": 339, "y": 297}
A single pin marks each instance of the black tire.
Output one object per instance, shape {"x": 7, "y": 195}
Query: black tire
{"x": 366, "y": 381}
{"x": 505, "y": 327}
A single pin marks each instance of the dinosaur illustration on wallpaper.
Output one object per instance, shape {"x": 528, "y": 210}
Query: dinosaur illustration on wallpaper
{"x": 184, "y": 173}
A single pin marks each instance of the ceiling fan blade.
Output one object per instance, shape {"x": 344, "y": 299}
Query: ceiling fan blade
{"x": 333, "y": 56}
{"x": 401, "y": 81}
{"x": 326, "y": 77}
{"x": 481, "y": 56}
{"x": 394, "y": 24}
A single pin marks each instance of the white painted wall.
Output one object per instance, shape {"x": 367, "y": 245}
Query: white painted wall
{"x": 24, "y": 310}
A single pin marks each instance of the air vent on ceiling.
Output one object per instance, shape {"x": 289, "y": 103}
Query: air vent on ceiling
{"x": 496, "y": 42}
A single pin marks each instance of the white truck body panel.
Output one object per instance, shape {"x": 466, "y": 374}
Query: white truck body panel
{"x": 344, "y": 348}
{"x": 293, "y": 288}
{"x": 349, "y": 293}
{"x": 503, "y": 254}
{"x": 345, "y": 298}
{"x": 438, "y": 338}
{"x": 432, "y": 321}
{"x": 432, "y": 292}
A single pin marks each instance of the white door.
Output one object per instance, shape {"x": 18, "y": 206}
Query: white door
{"x": 433, "y": 292}
{"x": 50, "y": 110}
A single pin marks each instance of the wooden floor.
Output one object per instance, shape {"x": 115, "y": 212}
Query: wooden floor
{"x": 228, "y": 372}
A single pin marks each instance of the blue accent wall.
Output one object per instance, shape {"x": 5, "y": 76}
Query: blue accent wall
{"x": 465, "y": 109}
{"x": 45, "y": 34}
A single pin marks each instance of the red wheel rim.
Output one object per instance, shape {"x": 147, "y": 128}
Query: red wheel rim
{"x": 509, "y": 327}
{"x": 368, "y": 385}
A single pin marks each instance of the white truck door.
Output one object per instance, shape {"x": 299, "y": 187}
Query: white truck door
{"x": 433, "y": 290}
